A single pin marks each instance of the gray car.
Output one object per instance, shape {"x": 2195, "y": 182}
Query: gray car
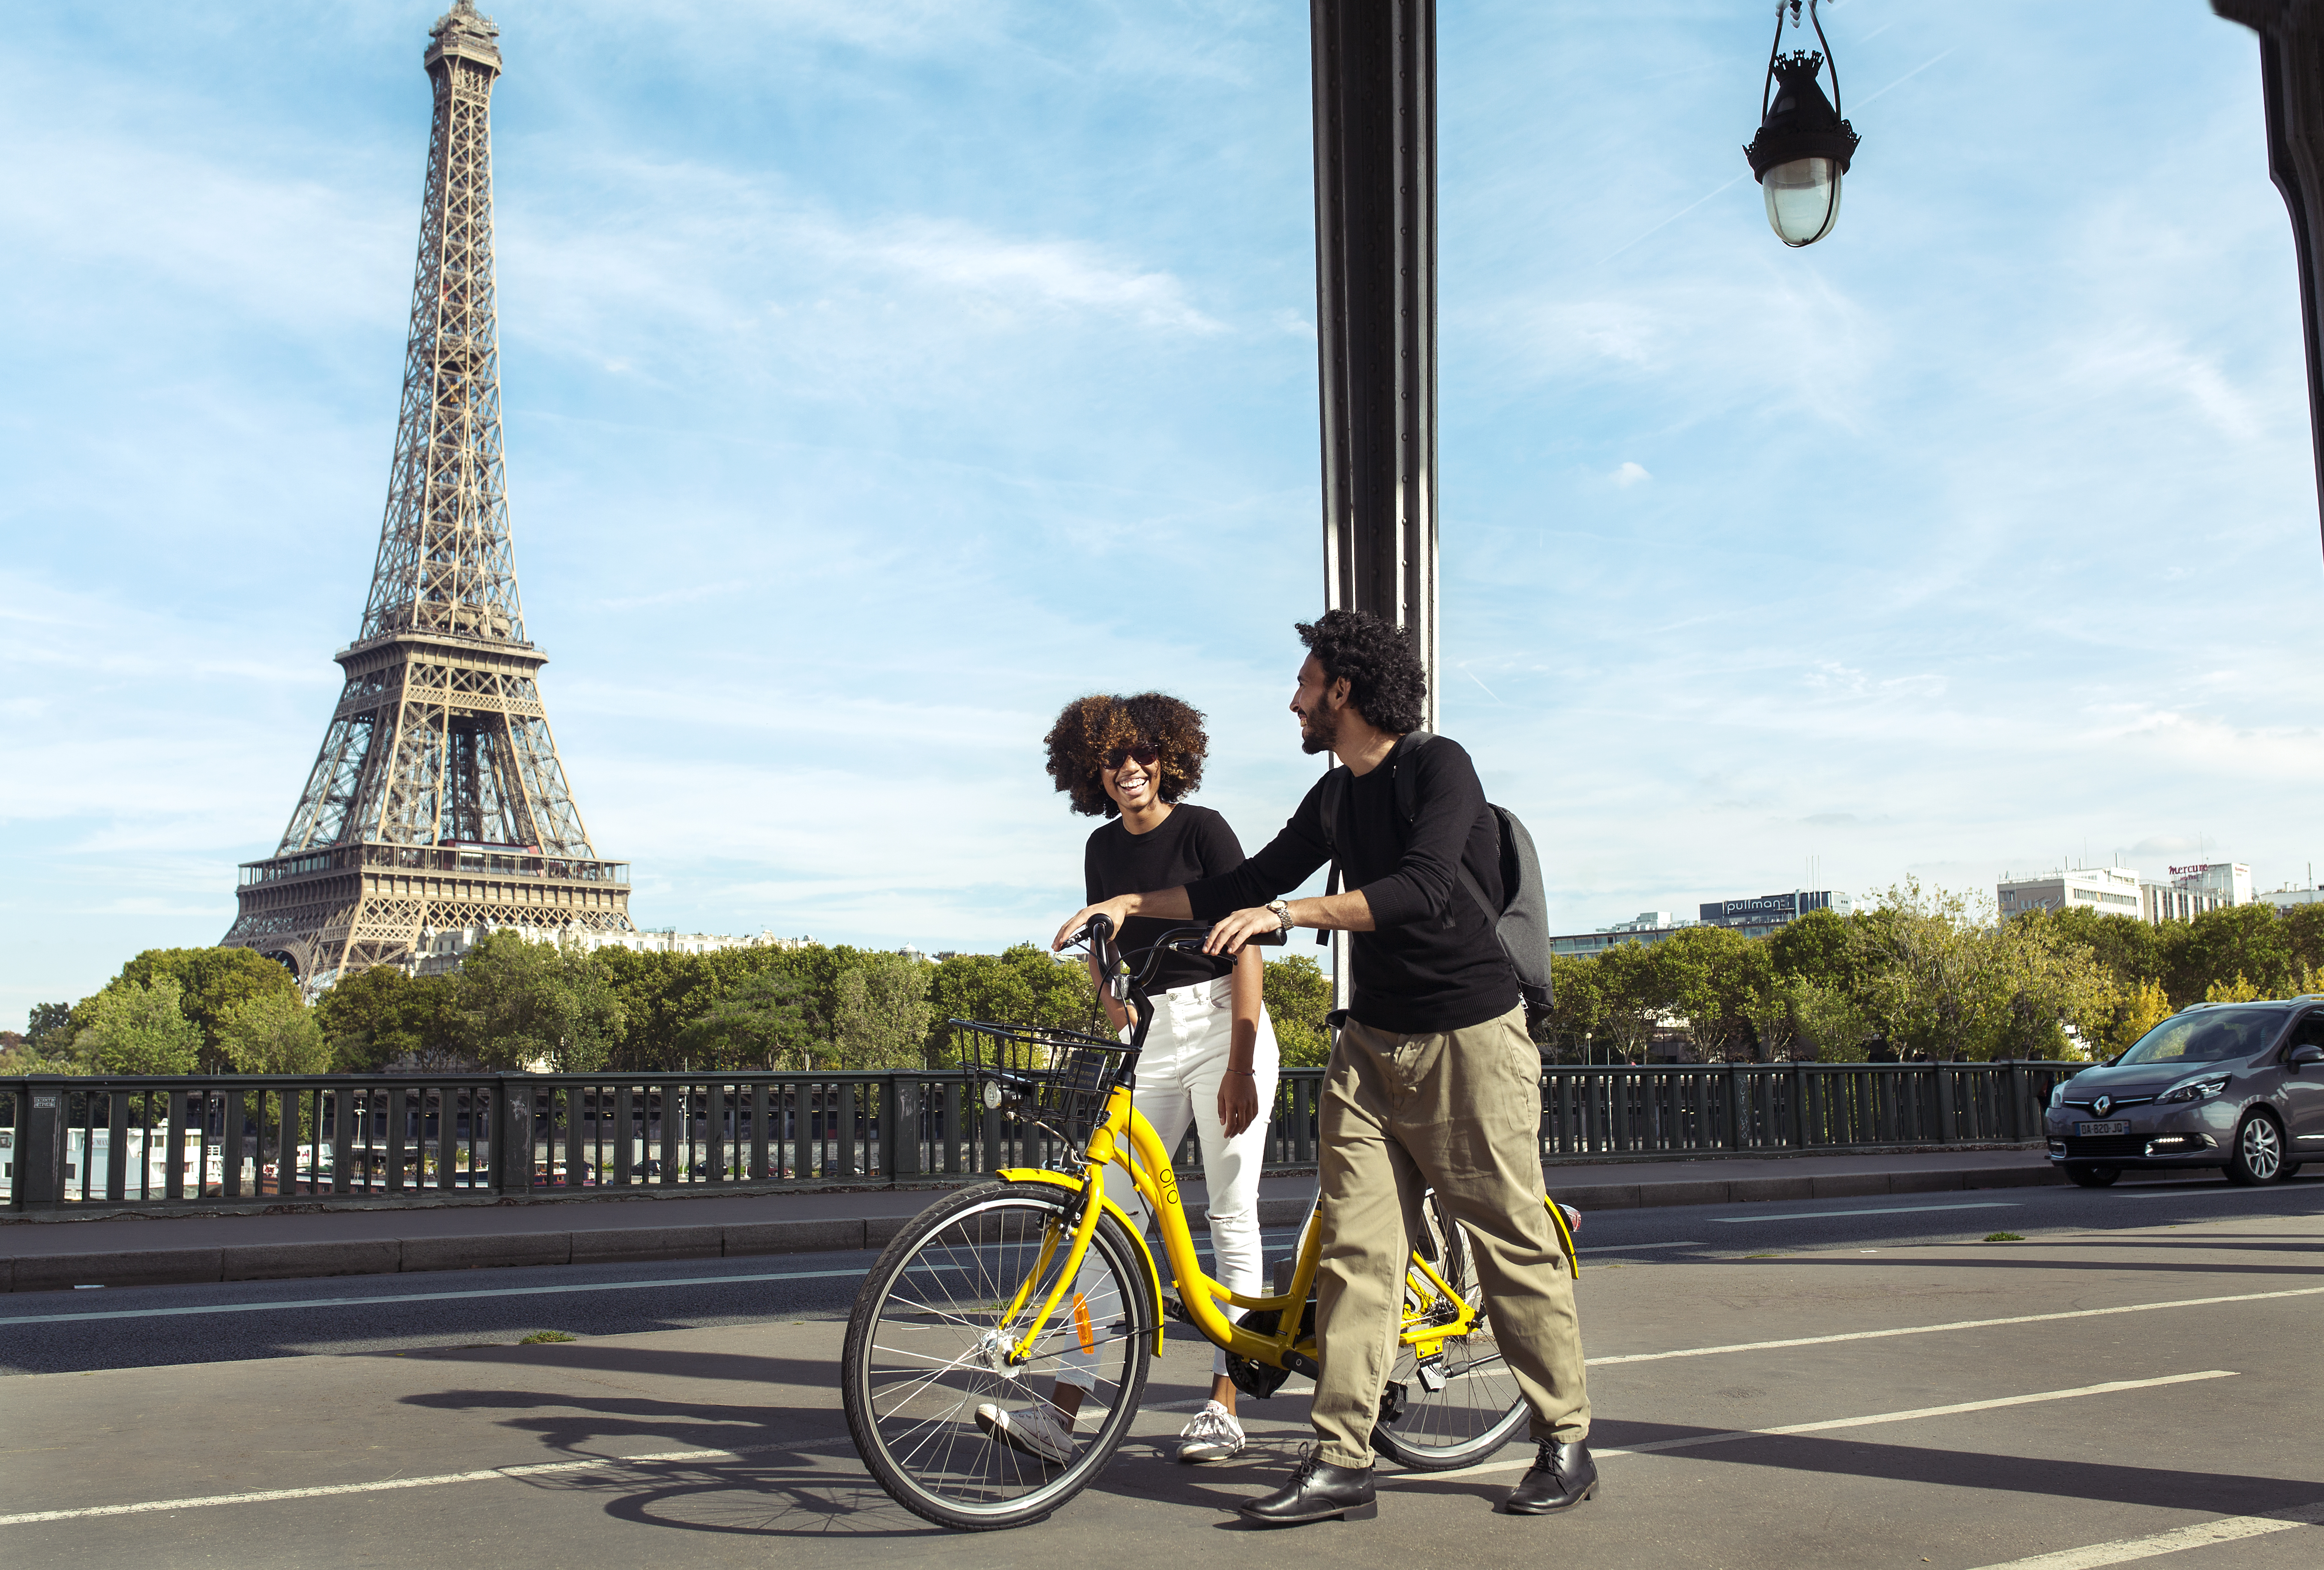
{"x": 2236, "y": 1086}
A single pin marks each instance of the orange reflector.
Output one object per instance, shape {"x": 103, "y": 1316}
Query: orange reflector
{"x": 1082, "y": 1328}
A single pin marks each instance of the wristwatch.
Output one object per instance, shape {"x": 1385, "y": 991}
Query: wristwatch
{"x": 1282, "y": 909}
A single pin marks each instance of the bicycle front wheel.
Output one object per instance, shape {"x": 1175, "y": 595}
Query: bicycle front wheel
{"x": 953, "y": 1430}
{"x": 1462, "y": 1404}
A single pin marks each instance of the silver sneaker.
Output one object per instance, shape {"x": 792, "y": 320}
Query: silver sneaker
{"x": 1213, "y": 1434}
{"x": 1033, "y": 1429}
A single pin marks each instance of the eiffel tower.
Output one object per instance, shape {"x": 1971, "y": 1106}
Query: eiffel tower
{"x": 438, "y": 801}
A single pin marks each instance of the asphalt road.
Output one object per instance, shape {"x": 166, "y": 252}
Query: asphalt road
{"x": 61, "y": 1332}
{"x": 2138, "y": 1382}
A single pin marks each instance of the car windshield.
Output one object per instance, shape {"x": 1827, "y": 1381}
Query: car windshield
{"x": 2206, "y": 1036}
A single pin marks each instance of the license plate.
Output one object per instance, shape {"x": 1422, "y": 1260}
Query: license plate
{"x": 2116, "y": 1127}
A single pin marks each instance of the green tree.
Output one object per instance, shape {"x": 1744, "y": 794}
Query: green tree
{"x": 382, "y": 1016}
{"x": 1826, "y": 1023}
{"x": 769, "y": 1021}
{"x": 140, "y": 1028}
{"x": 1024, "y": 986}
{"x": 1577, "y": 1011}
{"x": 1635, "y": 997}
{"x": 1298, "y": 997}
{"x": 2245, "y": 941}
{"x": 1822, "y": 948}
{"x": 274, "y": 1032}
{"x": 1926, "y": 956}
{"x": 1722, "y": 983}
{"x": 212, "y": 983}
{"x": 525, "y": 1005}
{"x": 882, "y": 1017}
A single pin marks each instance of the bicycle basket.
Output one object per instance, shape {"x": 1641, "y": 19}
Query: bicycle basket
{"x": 1055, "y": 1080}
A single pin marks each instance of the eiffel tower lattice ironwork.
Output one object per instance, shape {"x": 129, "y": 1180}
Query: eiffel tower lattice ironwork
{"x": 438, "y": 800}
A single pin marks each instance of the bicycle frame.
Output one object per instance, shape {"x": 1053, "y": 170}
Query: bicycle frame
{"x": 1127, "y": 1140}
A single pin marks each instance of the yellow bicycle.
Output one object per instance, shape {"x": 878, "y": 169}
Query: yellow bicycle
{"x": 993, "y": 1291}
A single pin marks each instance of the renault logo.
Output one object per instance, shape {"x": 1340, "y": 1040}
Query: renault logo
{"x": 2103, "y": 1105}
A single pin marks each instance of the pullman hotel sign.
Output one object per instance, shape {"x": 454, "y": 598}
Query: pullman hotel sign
{"x": 1771, "y": 909}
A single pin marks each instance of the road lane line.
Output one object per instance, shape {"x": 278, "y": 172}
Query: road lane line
{"x": 1884, "y": 1210}
{"x": 388, "y": 1485}
{"x": 1955, "y": 1325}
{"x": 2202, "y": 1535}
{"x": 1638, "y": 1248}
{"x": 1728, "y": 1436}
{"x": 419, "y": 1298}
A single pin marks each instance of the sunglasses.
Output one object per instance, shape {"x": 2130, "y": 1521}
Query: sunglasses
{"x": 1148, "y": 756}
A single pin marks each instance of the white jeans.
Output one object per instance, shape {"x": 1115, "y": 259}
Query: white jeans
{"x": 1178, "y": 1078}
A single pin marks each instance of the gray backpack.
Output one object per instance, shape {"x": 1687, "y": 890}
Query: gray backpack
{"x": 1522, "y": 921}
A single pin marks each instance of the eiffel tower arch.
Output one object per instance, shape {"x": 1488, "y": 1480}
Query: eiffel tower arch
{"x": 438, "y": 800}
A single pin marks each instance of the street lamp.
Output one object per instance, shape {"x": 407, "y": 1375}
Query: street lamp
{"x": 1804, "y": 146}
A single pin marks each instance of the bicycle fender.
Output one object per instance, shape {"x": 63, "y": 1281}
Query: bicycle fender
{"x": 1067, "y": 1181}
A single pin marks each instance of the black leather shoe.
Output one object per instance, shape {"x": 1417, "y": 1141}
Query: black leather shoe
{"x": 1562, "y": 1477}
{"x": 1317, "y": 1491}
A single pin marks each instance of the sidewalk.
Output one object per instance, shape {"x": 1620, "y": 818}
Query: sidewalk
{"x": 59, "y": 1250}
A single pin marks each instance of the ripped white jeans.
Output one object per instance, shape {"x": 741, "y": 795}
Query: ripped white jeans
{"x": 1178, "y": 1078}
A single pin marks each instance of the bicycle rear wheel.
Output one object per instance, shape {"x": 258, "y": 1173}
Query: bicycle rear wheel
{"x": 927, "y": 1348}
{"x": 1461, "y": 1406}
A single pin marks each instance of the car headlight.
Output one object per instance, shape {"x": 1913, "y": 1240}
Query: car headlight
{"x": 2197, "y": 1089}
{"x": 2058, "y": 1094}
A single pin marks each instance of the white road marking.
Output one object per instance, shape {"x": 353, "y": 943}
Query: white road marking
{"x": 552, "y": 1468}
{"x": 1884, "y": 1210}
{"x": 2203, "y": 1193}
{"x": 1955, "y": 1325}
{"x": 2202, "y": 1535}
{"x": 1638, "y": 1248}
{"x": 1727, "y": 1436}
{"x": 418, "y": 1298}
{"x": 388, "y": 1485}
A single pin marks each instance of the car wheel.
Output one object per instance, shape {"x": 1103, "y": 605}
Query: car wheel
{"x": 2082, "y": 1174}
{"x": 2258, "y": 1153}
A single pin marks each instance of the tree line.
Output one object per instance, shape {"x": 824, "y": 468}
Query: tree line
{"x": 1926, "y": 974}
{"x": 514, "y": 1005}
{"x": 1919, "y": 973}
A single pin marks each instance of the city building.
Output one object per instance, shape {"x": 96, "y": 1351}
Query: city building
{"x": 1648, "y": 926}
{"x": 1759, "y": 917}
{"x": 2287, "y": 900}
{"x": 2122, "y": 891}
{"x": 2231, "y": 881}
{"x": 1755, "y": 917}
{"x": 2109, "y": 890}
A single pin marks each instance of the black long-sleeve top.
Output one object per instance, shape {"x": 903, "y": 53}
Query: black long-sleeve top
{"x": 1433, "y": 962}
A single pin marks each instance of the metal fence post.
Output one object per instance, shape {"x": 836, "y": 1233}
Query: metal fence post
{"x": 1799, "y": 1104}
{"x": 513, "y": 1151}
{"x": 900, "y": 1127}
{"x": 1739, "y": 1116}
{"x": 2016, "y": 1101}
{"x": 1947, "y": 1124}
{"x": 40, "y": 1156}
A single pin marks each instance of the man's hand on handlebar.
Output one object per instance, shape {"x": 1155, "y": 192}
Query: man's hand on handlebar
{"x": 1116, "y": 909}
{"x": 1257, "y": 924}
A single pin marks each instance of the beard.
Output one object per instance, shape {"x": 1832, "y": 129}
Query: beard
{"x": 1317, "y": 733}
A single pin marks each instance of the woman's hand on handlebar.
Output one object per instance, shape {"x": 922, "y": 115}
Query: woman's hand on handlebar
{"x": 1239, "y": 929}
{"x": 1116, "y": 909}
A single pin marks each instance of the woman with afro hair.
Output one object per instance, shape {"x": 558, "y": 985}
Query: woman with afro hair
{"x": 1210, "y": 1057}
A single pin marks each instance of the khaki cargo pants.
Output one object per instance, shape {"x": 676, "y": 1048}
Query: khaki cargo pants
{"x": 1460, "y": 1110}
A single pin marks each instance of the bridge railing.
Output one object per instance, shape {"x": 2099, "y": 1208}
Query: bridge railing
{"x": 209, "y": 1141}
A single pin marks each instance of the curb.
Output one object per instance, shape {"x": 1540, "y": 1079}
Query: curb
{"x": 401, "y": 1256}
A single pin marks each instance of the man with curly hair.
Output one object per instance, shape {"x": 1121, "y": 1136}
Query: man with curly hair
{"x": 1434, "y": 1080}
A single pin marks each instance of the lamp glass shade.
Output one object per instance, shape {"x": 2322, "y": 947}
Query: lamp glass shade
{"x": 1802, "y": 199}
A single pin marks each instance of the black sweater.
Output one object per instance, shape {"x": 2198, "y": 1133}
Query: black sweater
{"x": 1433, "y": 964}
{"x": 1192, "y": 843}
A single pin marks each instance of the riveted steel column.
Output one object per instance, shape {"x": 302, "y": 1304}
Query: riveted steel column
{"x": 2292, "y": 77}
{"x": 1375, "y": 83}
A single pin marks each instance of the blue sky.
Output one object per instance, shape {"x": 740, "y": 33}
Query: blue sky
{"x": 880, "y": 375}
